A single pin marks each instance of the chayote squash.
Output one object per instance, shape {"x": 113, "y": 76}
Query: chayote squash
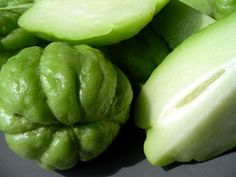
{"x": 94, "y": 22}
{"x": 204, "y": 6}
{"x": 224, "y": 8}
{"x": 4, "y": 56}
{"x": 8, "y": 22}
{"x": 12, "y": 37}
{"x": 187, "y": 106}
{"x": 177, "y": 21}
{"x": 62, "y": 104}
{"x": 140, "y": 55}
{"x": 16, "y": 5}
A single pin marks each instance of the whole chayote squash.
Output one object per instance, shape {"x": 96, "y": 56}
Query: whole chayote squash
{"x": 62, "y": 104}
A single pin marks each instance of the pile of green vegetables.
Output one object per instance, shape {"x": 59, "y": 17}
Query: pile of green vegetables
{"x": 69, "y": 69}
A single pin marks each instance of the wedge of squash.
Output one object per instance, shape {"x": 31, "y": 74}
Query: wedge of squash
{"x": 188, "y": 104}
{"x": 95, "y": 22}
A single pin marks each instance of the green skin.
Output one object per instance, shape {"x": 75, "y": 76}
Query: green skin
{"x": 11, "y": 36}
{"x": 18, "y": 39}
{"x": 10, "y": 3}
{"x": 62, "y": 104}
{"x": 204, "y": 6}
{"x": 140, "y": 55}
{"x": 187, "y": 106}
{"x": 187, "y": 21}
{"x": 4, "y": 56}
{"x": 91, "y": 22}
{"x": 224, "y": 8}
{"x": 8, "y": 22}
{"x": 16, "y": 5}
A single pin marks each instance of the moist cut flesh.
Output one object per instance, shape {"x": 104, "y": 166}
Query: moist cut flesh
{"x": 188, "y": 104}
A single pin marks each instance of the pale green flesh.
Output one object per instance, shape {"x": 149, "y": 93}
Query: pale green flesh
{"x": 177, "y": 21}
{"x": 95, "y": 22}
{"x": 188, "y": 104}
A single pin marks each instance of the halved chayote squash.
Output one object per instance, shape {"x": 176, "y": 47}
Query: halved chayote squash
{"x": 188, "y": 104}
{"x": 94, "y": 22}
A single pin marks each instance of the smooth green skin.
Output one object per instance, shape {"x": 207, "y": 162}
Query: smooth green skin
{"x": 178, "y": 21}
{"x": 12, "y": 37}
{"x": 11, "y": 3}
{"x": 18, "y": 39}
{"x": 140, "y": 55}
{"x": 224, "y": 8}
{"x": 8, "y": 22}
{"x": 204, "y": 6}
{"x": 94, "y": 22}
{"x": 18, "y": 6}
{"x": 62, "y": 104}
{"x": 188, "y": 104}
{"x": 4, "y": 56}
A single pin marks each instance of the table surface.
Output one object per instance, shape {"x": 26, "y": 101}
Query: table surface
{"x": 124, "y": 158}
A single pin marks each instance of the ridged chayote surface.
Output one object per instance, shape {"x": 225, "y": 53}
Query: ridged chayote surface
{"x": 61, "y": 104}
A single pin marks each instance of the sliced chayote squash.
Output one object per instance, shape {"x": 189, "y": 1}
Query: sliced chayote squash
{"x": 95, "y": 22}
{"x": 188, "y": 104}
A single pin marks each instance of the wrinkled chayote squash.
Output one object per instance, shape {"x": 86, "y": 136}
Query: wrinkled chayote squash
{"x": 61, "y": 104}
{"x": 94, "y": 22}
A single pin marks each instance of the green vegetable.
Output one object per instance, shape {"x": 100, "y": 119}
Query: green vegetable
{"x": 61, "y": 104}
{"x": 18, "y": 39}
{"x": 140, "y": 55}
{"x": 94, "y": 22}
{"x": 11, "y": 36}
{"x": 15, "y": 5}
{"x": 8, "y": 22}
{"x": 4, "y": 56}
{"x": 186, "y": 22}
{"x": 224, "y": 8}
{"x": 188, "y": 104}
{"x": 204, "y": 6}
